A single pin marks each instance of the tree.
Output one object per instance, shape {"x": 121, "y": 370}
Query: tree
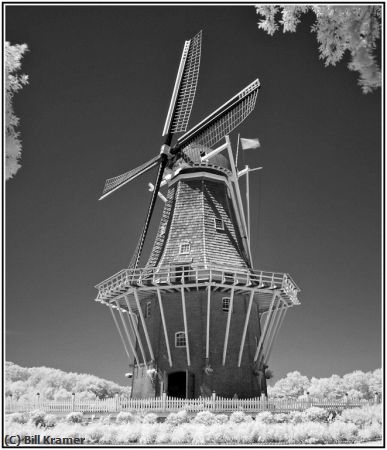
{"x": 331, "y": 387}
{"x": 338, "y": 29}
{"x": 292, "y": 386}
{"x": 13, "y": 83}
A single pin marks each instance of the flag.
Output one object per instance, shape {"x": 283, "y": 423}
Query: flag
{"x": 247, "y": 144}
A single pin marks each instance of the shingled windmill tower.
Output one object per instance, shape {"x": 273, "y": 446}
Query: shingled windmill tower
{"x": 197, "y": 317}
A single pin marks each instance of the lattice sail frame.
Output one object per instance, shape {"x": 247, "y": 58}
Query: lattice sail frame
{"x": 111, "y": 184}
{"x": 223, "y": 120}
{"x": 185, "y": 87}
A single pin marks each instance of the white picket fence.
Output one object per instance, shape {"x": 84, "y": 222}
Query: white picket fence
{"x": 166, "y": 404}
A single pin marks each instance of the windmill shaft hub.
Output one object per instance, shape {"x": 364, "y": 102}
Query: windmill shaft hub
{"x": 165, "y": 150}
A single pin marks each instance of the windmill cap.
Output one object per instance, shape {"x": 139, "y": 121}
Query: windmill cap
{"x": 194, "y": 152}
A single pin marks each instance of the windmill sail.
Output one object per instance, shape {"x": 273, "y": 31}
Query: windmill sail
{"x": 222, "y": 121}
{"x": 185, "y": 87}
{"x": 112, "y": 184}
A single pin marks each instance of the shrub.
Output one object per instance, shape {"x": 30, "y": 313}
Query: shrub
{"x": 281, "y": 418}
{"x": 362, "y": 416}
{"x": 198, "y": 433}
{"x": 181, "y": 434}
{"x": 241, "y": 432}
{"x": 131, "y": 434}
{"x": 150, "y": 418}
{"x": 17, "y": 417}
{"x": 315, "y": 414}
{"x": 74, "y": 417}
{"x": 177, "y": 418}
{"x": 50, "y": 420}
{"x": 37, "y": 418}
{"x": 164, "y": 435}
{"x": 240, "y": 417}
{"x": 125, "y": 417}
{"x": 309, "y": 433}
{"x": 342, "y": 431}
{"x": 265, "y": 417}
{"x": 148, "y": 434}
{"x": 106, "y": 420}
{"x": 371, "y": 432}
{"x": 205, "y": 418}
{"x": 221, "y": 418}
{"x": 296, "y": 417}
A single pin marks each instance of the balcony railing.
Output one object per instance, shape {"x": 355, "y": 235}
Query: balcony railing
{"x": 191, "y": 276}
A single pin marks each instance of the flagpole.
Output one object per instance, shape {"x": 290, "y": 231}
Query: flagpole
{"x": 248, "y": 202}
{"x": 237, "y": 149}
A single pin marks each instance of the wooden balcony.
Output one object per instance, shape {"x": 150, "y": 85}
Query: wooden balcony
{"x": 175, "y": 277}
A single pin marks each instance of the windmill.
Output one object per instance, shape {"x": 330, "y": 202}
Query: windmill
{"x": 197, "y": 317}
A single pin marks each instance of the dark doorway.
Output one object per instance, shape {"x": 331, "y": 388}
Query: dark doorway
{"x": 177, "y": 384}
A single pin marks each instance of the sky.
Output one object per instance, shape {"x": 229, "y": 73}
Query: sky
{"x": 101, "y": 78}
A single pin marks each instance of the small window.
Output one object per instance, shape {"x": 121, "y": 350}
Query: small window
{"x": 226, "y": 304}
{"x": 180, "y": 339}
{"x": 185, "y": 248}
{"x": 219, "y": 224}
{"x": 148, "y": 309}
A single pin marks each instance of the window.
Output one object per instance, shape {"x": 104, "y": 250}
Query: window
{"x": 219, "y": 224}
{"x": 181, "y": 274}
{"x": 226, "y": 304}
{"x": 185, "y": 248}
{"x": 180, "y": 339}
{"x": 148, "y": 309}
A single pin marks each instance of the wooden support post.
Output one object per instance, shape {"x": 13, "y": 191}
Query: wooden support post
{"x": 285, "y": 310}
{"x": 245, "y": 328}
{"x": 164, "y": 327}
{"x": 228, "y": 326}
{"x": 127, "y": 332}
{"x": 119, "y": 331}
{"x": 185, "y": 325}
{"x": 270, "y": 327}
{"x": 208, "y": 322}
{"x": 272, "y": 330}
{"x": 238, "y": 194}
{"x": 134, "y": 326}
{"x": 143, "y": 324}
{"x": 263, "y": 333}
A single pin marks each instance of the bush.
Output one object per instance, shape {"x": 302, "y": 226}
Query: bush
{"x": 50, "y": 420}
{"x": 177, "y": 418}
{"x": 74, "y": 417}
{"x": 315, "y": 414}
{"x": 37, "y": 418}
{"x": 342, "y": 431}
{"x": 106, "y": 420}
{"x": 148, "y": 434}
{"x": 296, "y": 417}
{"x": 150, "y": 418}
{"x": 281, "y": 418}
{"x": 309, "y": 433}
{"x": 371, "y": 432}
{"x": 181, "y": 434}
{"x": 240, "y": 417}
{"x": 265, "y": 417}
{"x": 221, "y": 418}
{"x": 362, "y": 416}
{"x": 17, "y": 417}
{"x": 125, "y": 417}
{"x": 205, "y": 418}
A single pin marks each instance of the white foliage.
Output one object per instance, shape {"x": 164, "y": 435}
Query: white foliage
{"x": 338, "y": 29}
{"x": 54, "y": 384}
{"x": 357, "y": 385}
{"x": 13, "y": 83}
